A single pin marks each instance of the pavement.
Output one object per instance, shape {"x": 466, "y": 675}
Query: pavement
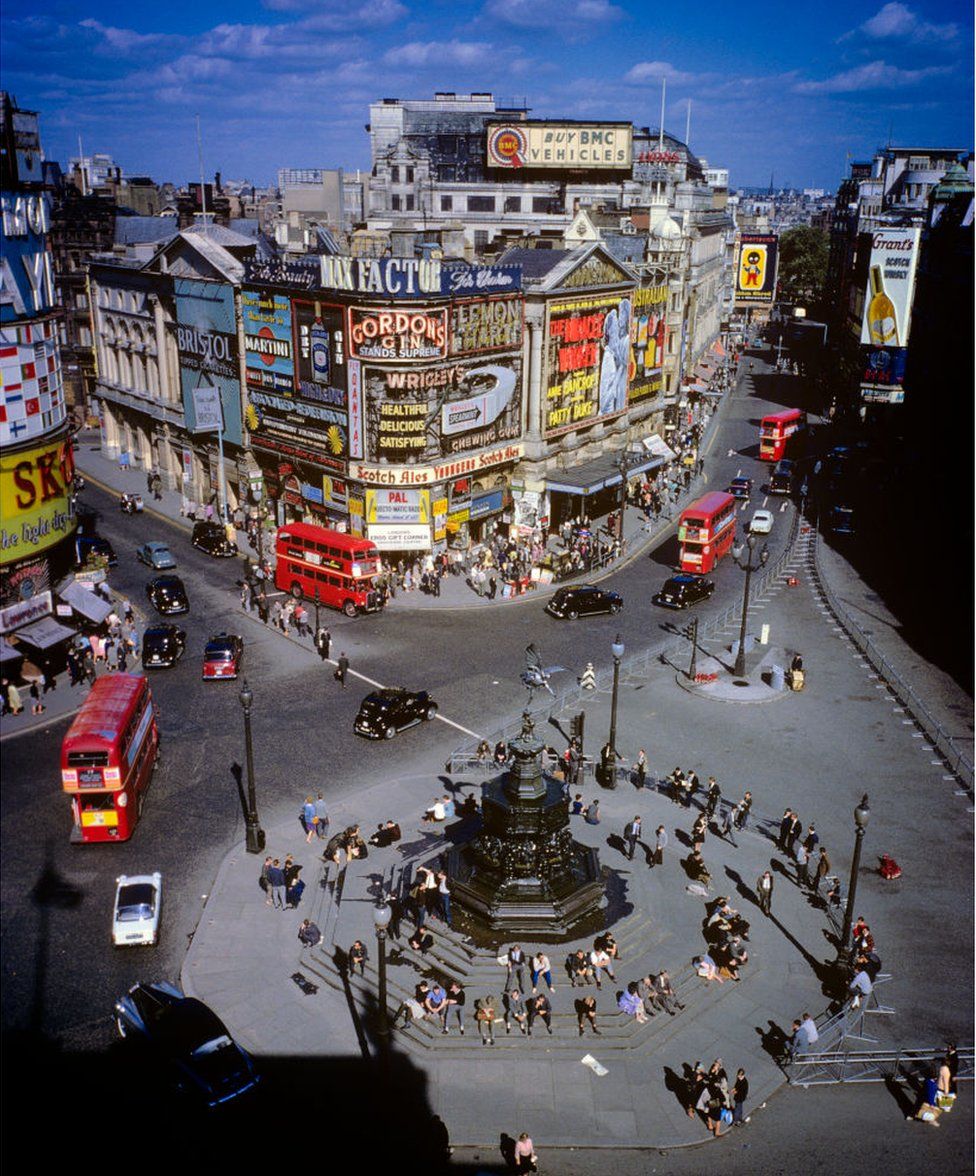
{"x": 244, "y": 954}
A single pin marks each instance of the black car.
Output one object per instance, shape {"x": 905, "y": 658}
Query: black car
{"x": 86, "y": 545}
{"x": 167, "y": 595}
{"x": 583, "y": 600}
{"x": 683, "y": 590}
{"x": 740, "y": 487}
{"x": 385, "y": 712}
{"x": 189, "y": 1039}
{"x": 212, "y": 538}
{"x": 162, "y": 645}
{"x": 781, "y": 479}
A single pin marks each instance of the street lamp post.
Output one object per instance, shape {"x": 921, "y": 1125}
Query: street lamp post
{"x": 748, "y": 567}
{"x": 861, "y": 815}
{"x": 610, "y": 759}
{"x": 254, "y": 832}
{"x": 381, "y": 920}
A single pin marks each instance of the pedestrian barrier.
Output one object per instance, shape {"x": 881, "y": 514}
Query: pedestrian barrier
{"x": 830, "y": 1067}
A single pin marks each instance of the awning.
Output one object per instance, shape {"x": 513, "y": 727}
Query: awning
{"x": 716, "y": 392}
{"x": 7, "y": 651}
{"x": 44, "y": 633}
{"x": 589, "y": 477}
{"x": 696, "y": 388}
{"x": 656, "y": 445}
{"x": 93, "y": 607}
{"x": 718, "y": 349}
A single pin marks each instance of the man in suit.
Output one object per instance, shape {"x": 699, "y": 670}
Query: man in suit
{"x": 764, "y": 890}
{"x": 632, "y": 834}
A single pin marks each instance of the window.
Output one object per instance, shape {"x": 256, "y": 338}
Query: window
{"x": 409, "y": 172}
{"x": 480, "y": 240}
{"x": 447, "y": 204}
{"x": 541, "y": 204}
{"x": 395, "y": 174}
{"x": 410, "y": 202}
{"x": 513, "y": 203}
{"x": 446, "y": 173}
{"x": 481, "y": 204}
{"x": 447, "y": 144}
{"x": 395, "y": 203}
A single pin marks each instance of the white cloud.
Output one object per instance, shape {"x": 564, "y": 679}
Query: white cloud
{"x": 654, "y": 71}
{"x": 876, "y": 75}
{"x": 896, "y": 21}
{"x": 337, "y": 14}
{"x": 556, "y": 14}
{"x": 418, "y": 53}
{"x": 127, "y": 40}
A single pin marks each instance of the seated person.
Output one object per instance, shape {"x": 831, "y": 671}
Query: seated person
{"x": 309, "y": 934}
{"x": 449, "y": 811}
{"x": 698, "y": 869}
{"x": 386, "y": 834}
{"x": 501, "y": 752}
{"x": 576, "y": 808}
{"x": 707, "y": 968}
{"x": 421, "y": 940}
{"x": 354, "y": 845}
{"x": 607, "y": 943}
{"x": 579, "y": 968}
{"x": 484, "y": 751}
{"x": 435, "y": 812}
{"x": 591, "y": 815}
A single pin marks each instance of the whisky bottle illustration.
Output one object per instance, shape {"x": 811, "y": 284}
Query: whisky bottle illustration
{"x": 882, "y": 324}
{"x": 320, "y": 348}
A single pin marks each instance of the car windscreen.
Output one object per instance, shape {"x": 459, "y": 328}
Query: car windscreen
{"x": 136, "y": 902}
{"x": 219, "y": 653}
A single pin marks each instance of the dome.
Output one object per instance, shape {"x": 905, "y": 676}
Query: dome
{"x": 954, "y": 183}
{"x": 666, "y": 229}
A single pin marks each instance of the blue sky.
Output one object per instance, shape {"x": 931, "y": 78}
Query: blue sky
{"x": 790, "y": 89}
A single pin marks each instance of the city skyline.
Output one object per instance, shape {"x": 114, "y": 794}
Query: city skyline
{"x": 288, "y": 83}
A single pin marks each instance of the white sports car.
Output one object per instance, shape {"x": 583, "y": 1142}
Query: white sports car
{"x": 135, "y": 921}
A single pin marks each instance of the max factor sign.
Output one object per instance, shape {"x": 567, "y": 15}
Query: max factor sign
{"x": 396, "y": 277}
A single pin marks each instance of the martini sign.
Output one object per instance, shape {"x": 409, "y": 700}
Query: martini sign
{"x": 268, "y": 347}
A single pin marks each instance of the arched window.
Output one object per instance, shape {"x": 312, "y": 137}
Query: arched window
{"x": 152, "y": 377}
{"x": 138, "y": 373}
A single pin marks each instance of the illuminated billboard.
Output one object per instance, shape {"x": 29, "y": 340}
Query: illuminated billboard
{"x": 31, "y": 395}
{"x": 486, "y": 324}
{"x": 269, "y": 354}
{"x": 755, "y": 271}
{"x": 35, "y": 487}
{"x": 397, "y": 335}
{"x": 550, "y": 146}
{"x": 647, "y": 340}
{"x": 588, "y": 358}
{"x": 206, "y": 340}
{"x": 888, "y": 298}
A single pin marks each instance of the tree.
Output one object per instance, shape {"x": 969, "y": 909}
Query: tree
{"x": 802, "y": 265}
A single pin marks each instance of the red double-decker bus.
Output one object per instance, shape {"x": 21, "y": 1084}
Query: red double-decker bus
{"x": 108, "y": 757}
{"x": 706, "y": 530}
{"x": 779, "y": 431}
{"x": 337, "y": 569}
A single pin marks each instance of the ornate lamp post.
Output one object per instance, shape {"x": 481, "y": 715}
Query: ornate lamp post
{"x": 381, "y": 920}
{"x": 254, "y": 832}
{"x": 610, "y": 759}
{"x": 738, "y": 552}
{"x": 861, "y": 816}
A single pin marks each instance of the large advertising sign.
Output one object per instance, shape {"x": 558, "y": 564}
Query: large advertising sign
{"x": 560, "y": 146}
{"x": 206, "y": 340}
{"x": 377, "y": 475}
{"x": 417, "y": 415}
{"x": 755, "y": 271}
{"x": 31, "y": 393}
{"x": 26, "y": 270}
{"x": 269, "y": 358}
{"x": 887, "y": 312}
{"x": 396, "y": 335}
{"x": 647, "y": 339}
{"x": 35, "y": 487}
{"x": 588, "y": 357}
{"x": 397, "y": 506}
{"x": 487, "y": 324}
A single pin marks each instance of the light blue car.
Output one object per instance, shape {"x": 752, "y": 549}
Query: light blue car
{"x": 156, "y": 555}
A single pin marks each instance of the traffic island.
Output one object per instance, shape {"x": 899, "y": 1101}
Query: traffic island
{"x": 765, "y": 679}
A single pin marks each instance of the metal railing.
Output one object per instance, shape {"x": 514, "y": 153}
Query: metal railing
{"x": 877, "y": 1065}
{"x": 955, "y": 757}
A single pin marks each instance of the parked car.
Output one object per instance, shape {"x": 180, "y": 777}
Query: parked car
{"x": 582, "y": 600}
{"x": 135, "y": 919}
{"x": 168, "y": 595}
{"x": 86, "y": 545}
{"x": 223, "y": 655}
{"x": 741, "y": 487}
{"x": 762, "y": 522}
{"x": 155, "y": 555}
{"x": 189, "y": 1039}
{"x": 781, "y": 479}
{"x": 385, "y": 712}
{"x": 683, "y": 590}
{"x": 840, "y": 520}
{"x": 162, "y": 646}
{"x": 212, "y": 538}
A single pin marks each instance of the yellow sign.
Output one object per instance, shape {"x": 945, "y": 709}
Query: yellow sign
{"x": 35, "y": 486}
{"x": 397, "y": 505}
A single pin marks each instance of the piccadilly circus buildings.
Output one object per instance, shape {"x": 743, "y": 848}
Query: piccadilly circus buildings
{"x": 37, "y": 521}
{"x": 489, "y": 366}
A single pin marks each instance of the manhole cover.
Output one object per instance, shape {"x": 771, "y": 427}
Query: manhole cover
{"x": 740, "y": 683}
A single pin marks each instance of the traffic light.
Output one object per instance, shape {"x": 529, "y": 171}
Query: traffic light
{"x": 576, "y": 727}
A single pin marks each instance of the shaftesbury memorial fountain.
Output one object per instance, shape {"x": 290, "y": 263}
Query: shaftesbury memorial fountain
{"x": 524, "y": 875}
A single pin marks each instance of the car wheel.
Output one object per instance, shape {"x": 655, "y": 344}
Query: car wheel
{"x": 296, "y": 590}
{"x": 389, "y": 732}
{"x": 430, "y": 712}
{"x": 572, "y": 614}
{"x": 349, "y": 608}
{"x": 615, "y": 608}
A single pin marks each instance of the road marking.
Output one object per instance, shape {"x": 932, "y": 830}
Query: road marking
{"x": 918, "y": 735}
{"x": 380, "y": 686}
